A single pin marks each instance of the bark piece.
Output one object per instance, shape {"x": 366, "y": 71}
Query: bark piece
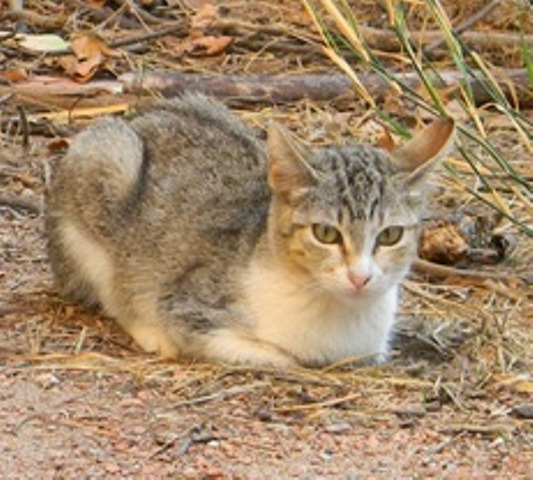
{"x": 290, "y": 88}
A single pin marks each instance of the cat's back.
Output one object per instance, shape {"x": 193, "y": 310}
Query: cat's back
{"x": 195, "y": 135}
{"x": 205, "y": 173}
{"x": 186, "y": 164}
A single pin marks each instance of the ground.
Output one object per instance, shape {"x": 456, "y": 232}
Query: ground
{"x": 78, "y": 399}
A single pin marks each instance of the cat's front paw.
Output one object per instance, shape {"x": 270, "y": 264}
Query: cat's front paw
{"x": 152, "y": 339}
{"x": 238, "y": 349}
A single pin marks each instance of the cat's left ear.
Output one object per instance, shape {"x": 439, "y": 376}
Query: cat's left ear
{"x": 288, "y": 171}
{"x": 426, "y": 149}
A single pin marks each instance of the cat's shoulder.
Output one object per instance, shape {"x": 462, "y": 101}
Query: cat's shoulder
{"x": 190, "y": 110}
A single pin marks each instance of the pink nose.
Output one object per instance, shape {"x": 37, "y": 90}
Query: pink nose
{"x": 359, "y": 280}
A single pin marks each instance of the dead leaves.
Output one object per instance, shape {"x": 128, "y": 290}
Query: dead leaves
{"x": 96, "y": 3}
{"x": 193, "y": 4}
{"x": 443, "y": 242}
{"x": 466, "y": 238}
{"x": 197, "y": 43}
{"x": 90, "y": 55}
{"x": 41, "y": 43}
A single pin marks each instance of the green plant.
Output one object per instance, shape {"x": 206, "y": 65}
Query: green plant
{"x": 344, "y": 31}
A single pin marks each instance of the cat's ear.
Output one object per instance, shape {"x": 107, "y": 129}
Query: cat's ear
{"x": 288, "y": 171}
{"x": 420, "y": 154}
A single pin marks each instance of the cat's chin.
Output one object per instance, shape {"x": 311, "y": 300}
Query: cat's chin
{"x": 350, "y": 296}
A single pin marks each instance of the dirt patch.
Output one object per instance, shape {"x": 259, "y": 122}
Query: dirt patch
{"x": 78, "y": 399}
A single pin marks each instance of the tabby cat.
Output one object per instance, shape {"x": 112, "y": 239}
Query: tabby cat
{"x": 203, "y": 241}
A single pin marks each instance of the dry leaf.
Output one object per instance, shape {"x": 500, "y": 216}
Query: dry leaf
{"x": 67, "y": 63}
{"x": 14, "y": 75}
{"x": 201, "y": 46}
{"x": 197, "y": 43}
{"x": 96, "y": 3}
{"x": 46, "y": 42}
{"x": 192, "y": 4}
{"x": 443, "y": 243}
{"x": 210, "y": 45}
{"x": 90, "y": 55}
{"x": 57, "y": 144}
{"x": 202, "y": 19}
{"x": 385, "y": 140}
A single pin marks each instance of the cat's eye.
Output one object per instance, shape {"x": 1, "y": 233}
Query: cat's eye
{"x": 326, "y": 233}
{"x": 389, "y": 236}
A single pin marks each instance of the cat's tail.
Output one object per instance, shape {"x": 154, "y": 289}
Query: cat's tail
{"x": 89, "y": 195}
{"x": 108, "y": 159}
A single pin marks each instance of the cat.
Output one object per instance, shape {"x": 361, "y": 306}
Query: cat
{"x": 204, "y": 241}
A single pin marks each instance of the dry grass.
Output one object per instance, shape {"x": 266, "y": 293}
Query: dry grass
{"x": 458, "y": 338}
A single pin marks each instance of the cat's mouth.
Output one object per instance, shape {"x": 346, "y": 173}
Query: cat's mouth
{"x": 355, "y": 293}
{"x": 349, "y": 294}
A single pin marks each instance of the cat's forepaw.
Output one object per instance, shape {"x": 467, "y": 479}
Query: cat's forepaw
{"x": 152, "y": 339}
{"x": 231, "y": 347}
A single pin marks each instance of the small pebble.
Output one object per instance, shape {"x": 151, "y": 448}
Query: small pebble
{"x": 111, "y": 468}
{"x": 338, "y": 427}
{"x": 434, "y": 406}
{"x": 47, "y": 380}
{"x": 264, "y": 414}
{"x": 523, "y": 411}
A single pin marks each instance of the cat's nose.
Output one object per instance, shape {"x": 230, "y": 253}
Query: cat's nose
{"x": 359, "y": 280}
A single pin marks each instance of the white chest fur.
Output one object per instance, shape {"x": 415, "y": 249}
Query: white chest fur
{"x": 311, "y": 325}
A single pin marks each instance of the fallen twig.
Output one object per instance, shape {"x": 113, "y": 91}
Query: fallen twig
{"x": 47, "y": 22}
{"x": 495, "y": 429}
{"x": 424, "y": 266}
{"x": 139, "y": 12}
{"x": 290, "y": 88}
{"x": 220, "y": 395}
{"x": 388, "y": 41}
{"x": 469, "y": 22}
{"x": 101, "y": 14}
{"x": 379, "y": 39}
{"x": 177, "y": 28}
{"x": 23, "y": 203}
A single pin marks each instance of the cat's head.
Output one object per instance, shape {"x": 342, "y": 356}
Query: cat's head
{"x": 346, "y": 218}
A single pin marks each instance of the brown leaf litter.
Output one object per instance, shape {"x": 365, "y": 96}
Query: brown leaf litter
{"x": 77, "y": 398}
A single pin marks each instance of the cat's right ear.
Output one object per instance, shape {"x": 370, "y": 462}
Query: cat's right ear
{"x": 288, "y": 171}
{"x": 427, "y": 147}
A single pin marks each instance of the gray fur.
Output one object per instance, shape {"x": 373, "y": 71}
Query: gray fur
{"x": 179, "y": 202}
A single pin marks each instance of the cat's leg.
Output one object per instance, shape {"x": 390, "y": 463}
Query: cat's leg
{"x": 152, "y": 338}
{"x": 139, "y": 316}
{"x": 234, "y": 347}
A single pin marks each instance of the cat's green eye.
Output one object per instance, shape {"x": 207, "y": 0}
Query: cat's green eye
{"x": 326, "y": 233}
{"x": 389, "y": 236}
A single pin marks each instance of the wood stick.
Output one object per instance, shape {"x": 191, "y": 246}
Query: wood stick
{"x": 290, "y": 88}
{"x": 47, "y": 22}
{"x": 101, "y": 14}
{"x": 17, "y": 202}
{"x": 437, "y": 270}
{"x": 239, "y": 89}
{"x": 469, "y": 22}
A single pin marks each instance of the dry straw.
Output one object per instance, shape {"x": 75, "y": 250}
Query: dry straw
{"x": 339, "y": 29}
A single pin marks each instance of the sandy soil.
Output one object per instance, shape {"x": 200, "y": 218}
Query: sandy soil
{"x": 77, "y": 400}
